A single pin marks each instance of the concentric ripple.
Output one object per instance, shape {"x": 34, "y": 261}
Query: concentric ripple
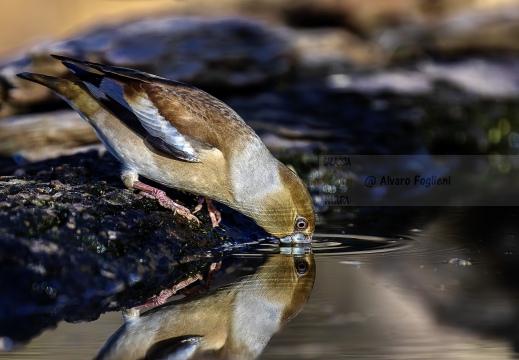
{"x": 350, "y": 244}
{"x": 329, "y": 244}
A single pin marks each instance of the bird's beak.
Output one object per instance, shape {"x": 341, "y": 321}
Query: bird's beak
{"x": 296, "y": 238}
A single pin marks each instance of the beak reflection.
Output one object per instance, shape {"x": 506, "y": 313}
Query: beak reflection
{"x": 296, "y": 238}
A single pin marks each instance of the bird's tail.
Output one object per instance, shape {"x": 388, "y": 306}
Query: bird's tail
{"x": 59, "y": 85}
{"x": 73, "y": 92}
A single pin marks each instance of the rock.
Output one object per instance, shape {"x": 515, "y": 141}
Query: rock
{"x": 361, "y": 17}
{"x": 74, "y": 243}
{"x": 22, "y": 96}
{"x": 403, "y": 30}
{"x": 480, "y": 29}
{"x": 333, "y": 49}
{"x": 368, "y": 17}
{"x": 401, "y": 82}
{"x": 218, "y": 54}
{"x": 312, "y": 118}
{"x": 46, "y": 135}
{"x": 481, "y": 77}
{"x": 307, "y": 116}
{"x": 484, "y": 77}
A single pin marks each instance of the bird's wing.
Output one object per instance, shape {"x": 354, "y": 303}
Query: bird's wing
{"x": 148, "y": 105}
{"x": 122, "y": 71}
{"x": 182, "y": 347}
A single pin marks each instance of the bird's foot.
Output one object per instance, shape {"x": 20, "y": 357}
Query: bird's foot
{"x": 214, "y": 214}
{"x": 204, "y": 285}
{"x": 164, "y": 200}
{"x": 212, "y": 270}
{"x": 165, "y": 294}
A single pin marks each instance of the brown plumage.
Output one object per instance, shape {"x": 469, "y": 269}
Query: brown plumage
{"x": 184, "y": 138}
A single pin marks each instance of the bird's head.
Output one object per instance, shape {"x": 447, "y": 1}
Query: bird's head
{"x": 288, "y": 212}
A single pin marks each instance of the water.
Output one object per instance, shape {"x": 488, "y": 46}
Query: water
{"x": 441, "y": 283}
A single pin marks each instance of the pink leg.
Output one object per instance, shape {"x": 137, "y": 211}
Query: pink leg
{"x": 212, "y": 270}
{"x": 167, "y": 293}
{"x": 164, "y": 200}
{"x": 204, "y": 285}
{"x": 214, "y": 214}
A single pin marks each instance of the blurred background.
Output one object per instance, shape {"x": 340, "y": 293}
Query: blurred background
{"x": 444, "y": 71}
{"x": 371, "y": 77}
{"x": 31, "y": 22}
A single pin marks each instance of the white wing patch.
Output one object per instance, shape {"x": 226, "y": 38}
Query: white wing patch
{"x": 156, "y": 125}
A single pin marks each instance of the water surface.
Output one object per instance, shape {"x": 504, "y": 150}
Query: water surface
{"x": 440, "y": 282}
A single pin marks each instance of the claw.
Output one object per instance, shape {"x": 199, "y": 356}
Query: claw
{"x": 164, "y": 200}
{"x": 214, "y": 214}
{"x": 165, "y": 294}
{"x": 200, "y": 204}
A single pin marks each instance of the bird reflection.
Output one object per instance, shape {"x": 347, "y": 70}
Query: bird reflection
{"x": 235, "y": 321}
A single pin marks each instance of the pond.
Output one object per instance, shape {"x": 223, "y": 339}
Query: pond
{"x": 388, "y": 283}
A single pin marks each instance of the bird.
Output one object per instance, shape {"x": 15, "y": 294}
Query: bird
{"x": 235, "y": 321}
{"x": 181, "y": 137}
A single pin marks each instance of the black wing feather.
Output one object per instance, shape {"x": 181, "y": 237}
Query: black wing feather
{"x": 110, "y": 94}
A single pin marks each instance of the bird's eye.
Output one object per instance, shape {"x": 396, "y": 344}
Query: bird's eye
{"x": 301, "y": 267}
{"x": 301, "y": 224}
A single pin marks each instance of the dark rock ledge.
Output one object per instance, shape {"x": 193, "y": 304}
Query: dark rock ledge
{"x": 74, "y": 243}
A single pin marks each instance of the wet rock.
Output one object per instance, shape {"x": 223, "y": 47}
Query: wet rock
{"x": 74, "y": 243}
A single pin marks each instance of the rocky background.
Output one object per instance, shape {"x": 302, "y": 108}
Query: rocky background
{"x": 326, "y": 77}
